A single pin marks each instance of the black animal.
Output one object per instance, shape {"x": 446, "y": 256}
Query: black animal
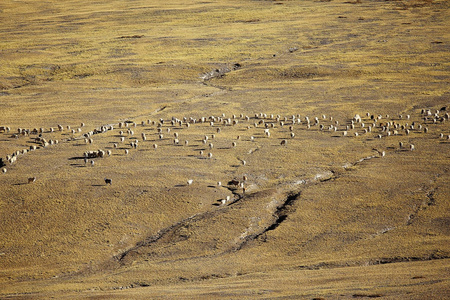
{"x": 108, "y": 181}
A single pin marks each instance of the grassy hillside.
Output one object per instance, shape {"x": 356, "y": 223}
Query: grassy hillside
{"x": 264, "y": 93}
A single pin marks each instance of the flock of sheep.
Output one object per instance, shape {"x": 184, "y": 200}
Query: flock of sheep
{"x": 149, "y": 133}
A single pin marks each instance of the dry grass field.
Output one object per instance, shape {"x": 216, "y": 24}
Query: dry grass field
{"x": 261, "y": 96}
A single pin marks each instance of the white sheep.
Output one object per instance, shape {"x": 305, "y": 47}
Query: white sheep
{"x": 190, "y": 181}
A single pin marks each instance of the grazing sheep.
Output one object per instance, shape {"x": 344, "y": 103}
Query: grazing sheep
{"x": 233, "y": 182}
{"x": 92, "y": 163}
{"x": 219, "y": 183}
{"x": 210, "y": 155}
{"x": 186, "y": 142}
{"x": 108, "y": 181}
{"x": 211, "y": 145}
{"x": 155, "y": 146}
{"x": 4, "y": 170}
{"x": 108, "y": 152}
{"x": 233, "y": 144}
{"x": 115, "y": 145}
{"x": 190, "y": 181}
{"x": 85, "y": 160}
{"x": 412, "y": 147}
{"x": 283, "y": 143}
{"x": 31, "y": 179}
{"x": 400, "y": 144}
{"x": 126, "y": 151}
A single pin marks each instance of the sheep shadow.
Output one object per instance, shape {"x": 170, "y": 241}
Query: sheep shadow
{"x": 76, "y": 158}
{"x": 78, "y": 165}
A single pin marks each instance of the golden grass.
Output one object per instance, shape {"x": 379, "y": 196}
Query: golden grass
{"x": 314, "y": 215}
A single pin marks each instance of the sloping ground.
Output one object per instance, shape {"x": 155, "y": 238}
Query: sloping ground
{"x": 338, "y": 211}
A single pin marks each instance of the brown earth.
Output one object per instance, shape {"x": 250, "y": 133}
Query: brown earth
{"x": 323, "y": 215}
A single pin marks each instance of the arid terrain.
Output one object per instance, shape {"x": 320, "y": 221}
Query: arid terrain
{"x": 225, "y": 149}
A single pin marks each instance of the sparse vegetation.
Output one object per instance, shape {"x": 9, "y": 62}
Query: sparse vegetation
{"x": 219, "y": 153}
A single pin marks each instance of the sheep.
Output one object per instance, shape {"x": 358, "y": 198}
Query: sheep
{"x": 219, "y": 183}
{"x": 92, "y": 163}
{"x": 186, "y": 142}
{"x": 126, "y": 151}
{"x": 412, "y": 147}
{"x": 283, "y": 143}
{"x": 31, "y": 179}
{"x": 108, "y": 181}
{"x": 211, "y": 145}
{"x": 400, "y": 144}
{"x": 233, "y": 182}
{"x": 108, "y": 152}
{"x": 210, "y": 155}
{"x": 176, "y": 141}
{"x": 4, "y": 170}
{"x": 85, "y": 160}
{"x": 155, "y": 146}
{"x": 233, "y": 144}
{"x": 190, "y": 181}
{"x": 252, "y": 138}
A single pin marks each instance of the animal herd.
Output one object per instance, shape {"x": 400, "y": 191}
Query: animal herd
{"x": 156, "y": 132}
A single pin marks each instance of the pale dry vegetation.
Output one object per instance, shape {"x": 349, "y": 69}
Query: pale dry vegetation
{"x": 323, "y": 215}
